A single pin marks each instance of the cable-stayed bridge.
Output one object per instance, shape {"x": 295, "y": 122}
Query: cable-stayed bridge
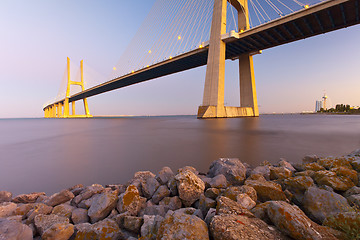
{"x": 179, "y": 35}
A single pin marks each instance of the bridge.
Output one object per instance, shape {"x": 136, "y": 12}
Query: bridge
{"x": 239, "y": 45}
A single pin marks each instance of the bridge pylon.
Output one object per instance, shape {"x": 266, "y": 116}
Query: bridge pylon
{"x": 213, "y": 100}
{"x": 62, "y": 109}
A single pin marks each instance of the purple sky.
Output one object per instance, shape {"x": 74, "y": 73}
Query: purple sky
{"x": 38, "y": 35}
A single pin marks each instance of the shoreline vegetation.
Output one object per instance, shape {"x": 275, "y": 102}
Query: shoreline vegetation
{"x": 341, "y": 109}
{"x": 316, "y": 199}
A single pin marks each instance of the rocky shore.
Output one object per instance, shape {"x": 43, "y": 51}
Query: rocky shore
{"x": 317, "y": 199}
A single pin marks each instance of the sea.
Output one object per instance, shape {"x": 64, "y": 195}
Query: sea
{"x": 48, "y": 155}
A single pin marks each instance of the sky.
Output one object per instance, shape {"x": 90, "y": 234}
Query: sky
{"x": 37, "y": 36}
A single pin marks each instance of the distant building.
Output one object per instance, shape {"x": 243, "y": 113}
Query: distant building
{"x": 319, "y": 105}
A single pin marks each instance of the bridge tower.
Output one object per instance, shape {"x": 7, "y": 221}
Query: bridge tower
{"x": 213, "y": 100}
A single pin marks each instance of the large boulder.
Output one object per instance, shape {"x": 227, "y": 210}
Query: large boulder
{"x": 160, "y": 193}
{"x": 27, "y": 198}
{"x": 293, "y": 222}
{"x": 59, "y": 198}
{"x": 7, "y": 209}
{"x": 231, "y": 168}
{"x": 102, "y": 205}
{"x": 262, "y": 170}
{"x": 227, "y": 206}
{"x": 58, "y": 231}
{"x": 297, "y": 186}
{"x": 329, "y": 178}
{"x": 266, "y": 190}
{"x": 39, "y": 208}
{"x": 43, "y": 222}
{"x": 236, "y": 227}
{"x": 280, "y": 173}
{"x": 190, "y": 187}
{"x": 130, "y": 201}
{"x": 319, "y": 203}
{"x": 88, "y": 192}
{"x": 150, "y": 226}
{"x": 79, "y": 215}
{"x": 164, "y": 175}
{"x": 13, "y": 230}
{"x": 182, "y": 226}
{"x": 105, "y": 229}
{"x": 5, "y": 196}
{"x": 63, "y": 210}
{"x": 149, "y": 186}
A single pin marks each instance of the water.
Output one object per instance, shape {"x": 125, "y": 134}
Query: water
{"x": 52, "y": 154}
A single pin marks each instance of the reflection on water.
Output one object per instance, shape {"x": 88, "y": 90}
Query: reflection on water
{"x": 52, "y": 154}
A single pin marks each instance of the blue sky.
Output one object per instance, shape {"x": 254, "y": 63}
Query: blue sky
{"x": 38, "y": 35}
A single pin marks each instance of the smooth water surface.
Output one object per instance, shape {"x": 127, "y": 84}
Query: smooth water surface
{"x": 52, "y": 154}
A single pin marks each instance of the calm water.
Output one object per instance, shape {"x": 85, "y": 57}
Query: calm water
{"x": 51, "y": 154}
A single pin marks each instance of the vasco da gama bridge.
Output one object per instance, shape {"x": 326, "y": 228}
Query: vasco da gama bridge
{"x": 239, "y": 44}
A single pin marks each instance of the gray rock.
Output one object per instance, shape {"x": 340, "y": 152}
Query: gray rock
{"x": 355, "y": 153}
{"x": 43, "y": 222}
{"x": 88, "y": 192}
{"x": 5, "y": 196}
{"x": 260, "y": 211}
{"x": 13, "y": 230}
{"x": 262, "y": 170}
{"x": 356, "y": 164}
{"x": 205, "y": 204}
{"x": 173, "y": 187}
{"x": 219, "y": 181}
{"x": 58, "y": 231}
{"x": 160, "y": 193}
{"x": 235, "y": 227}
{"x": 319, "y": 204}
{"x": 228, "y": 206}
{"x": 133, "y": 224}
{"x": 245, "y": 201}
{"x": 150, "y": 226}
{"x": 352, "y": 191}
{"x": 130, "y": 201}
{"x": 354, "y": 200}
{"x": 155, "y": 210}
{"x": 212, "y": 193}
{"x": 182, "y": 226}
{"x": 164, "y": 175}
{"x": 59, "y": 198}
{"x": 149, "y": 186}
{"x": 310, "y": 158}
{"x": 190, "y": 187}
{"x": 39, "y": 208}
{"x": 209, "y": 215}
{"x": 86, "y": 203}
{"x": 102, "y": 205}
{"x": 63, "y": 210}
{"x": 121, "y": 188}
{"x": 172, "y": 203}
{"x": 231, "y": 168}
{"x": 7, "y": 209}
{"x": 27, "y": 198}
{"x": 79, "y": 215}
{"x": 290, "y": 220}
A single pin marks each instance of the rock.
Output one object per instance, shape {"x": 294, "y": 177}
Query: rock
{"x": 58, "y": 231}
{"x": 133, "y": 224}
{"x": 329, "y": 178}
{"x": 7, "y": 209}
{"x": 172, "y": 203}
{"x": 260, "y": 211}
{"x": 352, "y": 191}
{"x": 182, "y": 226}
{"x": 235, "y": 227}
{"x": 262, "y": 170}
{"x": 79, "y": 215}
{"x": 309, "y": 173}
{"x": 290, "y": 220}
{"x": 209, "y": 215}
{"x": 319, "y": 203}
{"x": 164, "y": 175}
{"x": 39, "y": 208}
{"x": 346, "y": 172}
{"x": 314, "y": 167}
{"x": 59, "y": 198}
{"x": 27, "y": 198}
{"x": 43, "y": 222}
{"x": 207, "y": 181}
{"x": 354, "y": 200}
{"x": 5, "y": 196}
{"x": 84, "y": 231}
{"x": 102, "y": 205}
{"x": 245, "y": 201}
{"x": 130, "y": 201}
{"x": 212, "y": 193}
{"x": 155, "y": 210}
{"x": 190, "y": 187}
{"x": 63, "y": 210}
{"x": 310, "y": 159}
{"x": 188, "y": 168}
{"x": 88, "y": 192}
{"x": 149, "y": 186}
{"x": 231, "y": 168}
{"x": 86, "y": 203}
{"x": 279, "y": 173}
{"x": 332, "y": 162}
{"x": 298, "y": 184}
{"x": 42, "y": 199}
{"x": 150, "y": 226}
{"x": 205, "y": 204}
{"x": 286, "y": 164}
{"x": 348, "y": 222}
{"x": 232, "y": 192}
{"x": 355, "y": 153}
{"x": 228, "y": 206}
{"x": 173, "y": 187}
{"x": 160, "y": 193}
{"x": 13, "y": 230}
{"x": 121, "y": 188}
{"x": 219, "y": 181}
{"x": 266, "y": 190}
{"x": 356, "y": 165}
{"x": 105, "y": 229}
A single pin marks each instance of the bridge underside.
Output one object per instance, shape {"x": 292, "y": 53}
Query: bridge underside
{"x": 321, "y": 18}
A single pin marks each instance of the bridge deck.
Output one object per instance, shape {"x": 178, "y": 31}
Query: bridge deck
{"x": 321, "y": 18}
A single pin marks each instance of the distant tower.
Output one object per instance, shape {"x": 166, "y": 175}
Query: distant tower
{"x": 318, "y": 106}
{"x": 324, "y": 101}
